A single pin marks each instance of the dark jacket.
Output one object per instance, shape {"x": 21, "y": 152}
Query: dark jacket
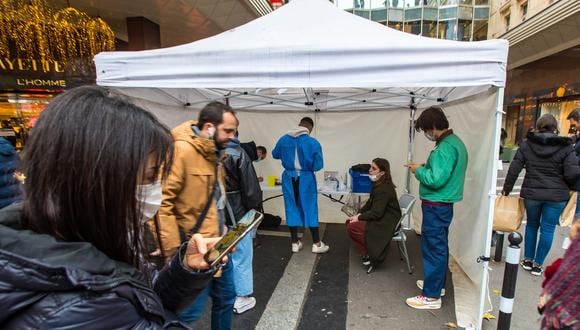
{"x": 577, "y": 152}
{"x": 10, "y": 187}
{"x": 242, "y": 185}
{"x": 382, "y": 214}
{"x": 51, "y": 284}
{"x": 551, "y": 167}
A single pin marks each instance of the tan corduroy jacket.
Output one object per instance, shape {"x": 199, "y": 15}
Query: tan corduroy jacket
{"x": 188, "y": 188}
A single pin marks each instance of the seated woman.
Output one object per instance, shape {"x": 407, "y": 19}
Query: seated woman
{"x": 373, "y": 228}
{"x": 73, "y": 255}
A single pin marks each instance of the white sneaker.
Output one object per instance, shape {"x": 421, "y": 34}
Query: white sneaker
{"x": 243, "y": 304}
{"x": 323, "y": 248}
{"x": 422, "y": 302}
{"x": 296, "y": 246}
{"x": 420, "y": 286}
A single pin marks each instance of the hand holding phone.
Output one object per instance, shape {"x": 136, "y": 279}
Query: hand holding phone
{"x": 243, "y": 227}
{"x": 197, "y": 247}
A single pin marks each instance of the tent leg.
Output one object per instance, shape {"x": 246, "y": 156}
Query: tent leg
{"x": 410, "y": 151}
{"x": 491, "y": 197}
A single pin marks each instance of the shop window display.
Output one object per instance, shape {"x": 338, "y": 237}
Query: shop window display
{"x": 18, "y": 114}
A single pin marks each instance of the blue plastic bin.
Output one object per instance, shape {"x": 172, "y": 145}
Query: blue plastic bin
{"x": 360, "y": 182}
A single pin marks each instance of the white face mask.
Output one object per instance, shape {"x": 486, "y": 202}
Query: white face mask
{"x": 149, "y": 198}
{"x": 429, "y": 135}
{"x": 375, "y": 177}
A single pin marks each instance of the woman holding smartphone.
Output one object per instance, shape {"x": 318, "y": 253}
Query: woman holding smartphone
{"x": 73, "y": 255}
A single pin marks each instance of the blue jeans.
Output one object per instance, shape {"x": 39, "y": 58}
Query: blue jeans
{"x": 242, "y": 261}
{"x": 434, "y": 247}
{"x": 544, "y": 216}
{"x": 221, "y": 290}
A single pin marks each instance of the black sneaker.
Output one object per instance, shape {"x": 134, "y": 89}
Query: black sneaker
{"x": 366, "y": 261}
{"x": 527, "y": 264}
{"x": 537, "y": 270}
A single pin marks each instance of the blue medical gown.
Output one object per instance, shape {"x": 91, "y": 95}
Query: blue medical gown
{"x": 305, "y": 213}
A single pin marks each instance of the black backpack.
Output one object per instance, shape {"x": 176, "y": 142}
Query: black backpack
{"x": 270, "y": 221}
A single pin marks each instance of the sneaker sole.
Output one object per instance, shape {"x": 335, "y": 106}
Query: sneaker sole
{"x": 526, "y": 268}
{"x": 536, "y": 274}
{"x": 244, "y": 309}
{"x": 424, "y": 306}
{"x": 442, "y": 290}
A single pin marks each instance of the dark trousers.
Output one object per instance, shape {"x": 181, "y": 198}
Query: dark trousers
{"x": 294, "y": 230}
{"x": 434, "y": 247}
{"x": 356, "y": 231}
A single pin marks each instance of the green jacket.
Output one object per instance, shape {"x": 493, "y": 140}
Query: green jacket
{"x": 443, "y": 176}
{"x": 381, "y": 214}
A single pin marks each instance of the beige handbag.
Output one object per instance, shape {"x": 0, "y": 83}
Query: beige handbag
{"x": 567, "y": 216}
{"x": 508, "y": 214}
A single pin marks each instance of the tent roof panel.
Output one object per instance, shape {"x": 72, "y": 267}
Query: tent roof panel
{"x": 309, "y": 43}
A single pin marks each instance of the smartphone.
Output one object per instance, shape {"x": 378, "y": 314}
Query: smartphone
{"x": 249, "y": 221}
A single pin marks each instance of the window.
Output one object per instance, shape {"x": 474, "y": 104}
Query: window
{"x": 429, "y": 29}
{"x": 447, "y": 29}
{"x": 506, "y": 20}
{"x": 413, "y": 27}
{"x": 524, "y": 10}
{"x": 479, "y": 30}
{"x": 464, "y": 30}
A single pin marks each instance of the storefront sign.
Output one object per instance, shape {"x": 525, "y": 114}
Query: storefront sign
{"x": 27, "y": 73}
{"x": 30, "y": 65}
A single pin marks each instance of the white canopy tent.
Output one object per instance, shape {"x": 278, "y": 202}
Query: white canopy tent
{"x": 362, "y": 82}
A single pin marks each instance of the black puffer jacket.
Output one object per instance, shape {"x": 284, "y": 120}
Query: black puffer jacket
{"x": 242, "y": 185}
{"x": 49, "y": 284}
{"x": 551, "y": 168}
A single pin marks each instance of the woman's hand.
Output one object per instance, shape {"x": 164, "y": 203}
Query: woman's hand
{"x": 354, "y": 218}
{"x": 197, "y": 247}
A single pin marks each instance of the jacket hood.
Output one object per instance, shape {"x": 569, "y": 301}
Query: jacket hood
{"x": 297, "y": 131}
{"x": 33, "y": 264}
{"x": 205, "y": 147}
{"x": 546, "y": 144}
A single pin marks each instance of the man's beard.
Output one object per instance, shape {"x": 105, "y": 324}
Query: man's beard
{"x": 221, "y": 145}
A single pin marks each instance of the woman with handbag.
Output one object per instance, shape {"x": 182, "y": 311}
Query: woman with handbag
{"x": 551, "y": 168}
{"x": 373, "y": 228}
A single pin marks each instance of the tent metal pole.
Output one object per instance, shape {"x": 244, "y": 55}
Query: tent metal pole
{"x": 491, "y": 198}
{"x": 410, "y": 151}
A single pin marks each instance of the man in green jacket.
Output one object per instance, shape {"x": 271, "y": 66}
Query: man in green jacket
{"x": 441, "y": 185}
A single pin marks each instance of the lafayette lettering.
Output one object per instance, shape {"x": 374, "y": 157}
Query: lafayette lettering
{"x": 30, "y": 65}
{"x": 40, "y": 83}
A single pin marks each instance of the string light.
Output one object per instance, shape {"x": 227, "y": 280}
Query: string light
{"x": 33, "y": 29}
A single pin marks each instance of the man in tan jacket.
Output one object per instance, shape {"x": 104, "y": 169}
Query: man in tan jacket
{"x": 195, "y": 183}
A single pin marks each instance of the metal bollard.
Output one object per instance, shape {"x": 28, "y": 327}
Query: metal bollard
{"x": 498, "y": 246}
{"x": 506, "y": 301}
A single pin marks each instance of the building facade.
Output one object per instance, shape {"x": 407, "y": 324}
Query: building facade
{"x": 543, "y": 62}
{"x": 463, "y": 20}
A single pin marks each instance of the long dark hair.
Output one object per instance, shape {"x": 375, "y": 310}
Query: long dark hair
{"x": 384, "y": 166}
{"x": 82, "y": 164}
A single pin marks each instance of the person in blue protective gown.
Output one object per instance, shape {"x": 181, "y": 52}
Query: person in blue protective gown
{"x": 301, "y": 156}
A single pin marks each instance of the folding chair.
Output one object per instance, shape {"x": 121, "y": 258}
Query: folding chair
{"x": 406, "y": 203}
